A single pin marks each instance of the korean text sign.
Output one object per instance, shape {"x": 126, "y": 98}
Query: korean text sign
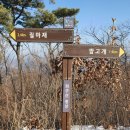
{"x": 67, "y": 86}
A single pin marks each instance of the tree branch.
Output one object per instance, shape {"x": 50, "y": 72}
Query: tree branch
{"x": 8, "y": 41}
{"x": 19, "y": 13}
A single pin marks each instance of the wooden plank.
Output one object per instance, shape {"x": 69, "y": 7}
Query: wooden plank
{"x": 64, "y": 115}
{"x": 67, "y": 75}
{"x": 69, "y": 67}
{"x": 64, "y": 123}
{"x": 68, "y": 120}
{"x": 65, "y": 68}
{"x": 43, "y": 35}
{"x": 92, "y": 51}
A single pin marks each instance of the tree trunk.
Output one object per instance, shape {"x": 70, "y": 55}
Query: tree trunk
{"x": 19, "y": 71}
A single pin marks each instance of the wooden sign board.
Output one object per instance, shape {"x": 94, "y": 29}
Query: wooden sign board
{"x": 92, "y": 51}
{"x": 42, "y": 35}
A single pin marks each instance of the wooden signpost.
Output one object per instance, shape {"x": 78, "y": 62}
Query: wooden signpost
{"x": 54, "y": 35}
{"x": 66, "y": 107}
{"x": 92, "y": 51}
{"x": 70, "y": 51}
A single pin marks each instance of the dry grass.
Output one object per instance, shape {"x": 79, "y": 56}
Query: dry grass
{"x": 100, "y": 94}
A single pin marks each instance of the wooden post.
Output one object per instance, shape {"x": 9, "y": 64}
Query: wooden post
{"x": 67, "y": 75}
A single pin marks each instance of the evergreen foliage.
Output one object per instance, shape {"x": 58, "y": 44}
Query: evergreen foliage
{"x": 64, "y": 12}
{"x": 30, "y": 13}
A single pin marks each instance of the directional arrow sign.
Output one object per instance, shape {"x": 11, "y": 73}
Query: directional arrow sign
{"x": 42, "y": 35}
{"x": 92, "y": 51}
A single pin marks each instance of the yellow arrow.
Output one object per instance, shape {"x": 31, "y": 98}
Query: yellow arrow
{"x": 121, "y": 52}
{"x": 13, "y": 34}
